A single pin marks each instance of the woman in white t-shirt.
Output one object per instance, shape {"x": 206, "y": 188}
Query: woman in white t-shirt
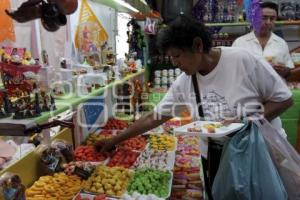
{"x": 233, "y": 83}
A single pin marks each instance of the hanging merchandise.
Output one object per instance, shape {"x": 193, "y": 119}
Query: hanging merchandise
{"x": 52, "y": 12}
{"x": 7, "y": 28}
{"x": 297, "y": 10}
{"x": 287, "y": 9}
{"x": 199, "y": 10}
{"x": 135, "y": 40}
{"x": 247, "y": 7}
{"x": 90, "y": 34}
{"x": 150, "y": 26}
{"x": 217, "y": 11}
{"x": 211, "y": 11}
{"x": 255, "y": 14}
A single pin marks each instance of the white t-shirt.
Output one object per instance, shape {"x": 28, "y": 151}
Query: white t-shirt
{"x": 240, "y": 80}
{"x": 276, "y": 48}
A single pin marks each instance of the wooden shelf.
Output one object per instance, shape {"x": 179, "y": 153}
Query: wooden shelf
{"x": 278, "y": 23}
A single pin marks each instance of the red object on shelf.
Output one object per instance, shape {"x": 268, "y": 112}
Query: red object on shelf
{"x": 13, "y": 76}
{"x": 88, "y": 153}
{"x": 123, "y": 158}
{"x": 115, "y": 124}
{"x": 137, "y": 143}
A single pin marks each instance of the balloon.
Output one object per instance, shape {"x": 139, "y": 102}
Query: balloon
{"x": 67, "y": 6}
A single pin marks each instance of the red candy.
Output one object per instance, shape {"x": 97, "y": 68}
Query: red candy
{"x": 123, "y": 158}
{"x": 115, "y": 124}
{"x": 88, "y": 153}
{"x": 137, "y": 143}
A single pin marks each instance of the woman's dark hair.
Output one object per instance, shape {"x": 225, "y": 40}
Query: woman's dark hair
{"x": 269, "y": 4}
{"x": 181, "y": 33}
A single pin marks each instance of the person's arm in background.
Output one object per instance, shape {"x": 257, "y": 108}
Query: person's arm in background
{"x": 286, "y": 68}
{"x": 162, "y": 113}
{"x": 274, "y": 92}
{"x": 141, "y": 126}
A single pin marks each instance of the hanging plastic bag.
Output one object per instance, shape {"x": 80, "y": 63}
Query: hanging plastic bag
{"x": 11, "y": 187}
{"x": 150, "y": 25}
{"x": 246, "y": 170}
{"x": 284, "y": 156}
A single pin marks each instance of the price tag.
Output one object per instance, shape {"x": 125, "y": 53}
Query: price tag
{"x": 82, "y": 173}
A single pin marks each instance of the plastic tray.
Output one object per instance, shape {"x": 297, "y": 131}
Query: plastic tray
{"x": 170, "y": 186}
{"x": 111, "y": 196}
{"x": 169, "y": 165}
{"x": 219, "y": 132}
{"x": 173, "y": 150}
{"x": 89, "y": 196}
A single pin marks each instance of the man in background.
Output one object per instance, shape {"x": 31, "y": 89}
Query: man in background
{"x": 267, "y": 44}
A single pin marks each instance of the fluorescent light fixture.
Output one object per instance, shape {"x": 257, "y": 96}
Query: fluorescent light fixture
{"x": 144, "y": 2}
{"x": 126, "y": 5}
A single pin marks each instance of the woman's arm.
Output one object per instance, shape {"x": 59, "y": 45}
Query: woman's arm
{"x": 142, "y": 125}
{"x": 274, "y": 109}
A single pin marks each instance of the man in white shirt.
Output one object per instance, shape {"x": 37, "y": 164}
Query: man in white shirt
{"x": 265, "y": 43}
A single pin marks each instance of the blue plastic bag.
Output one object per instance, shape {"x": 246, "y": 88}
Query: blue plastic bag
{"x": 246, "y": 171}
{"x": 285, "y": 158}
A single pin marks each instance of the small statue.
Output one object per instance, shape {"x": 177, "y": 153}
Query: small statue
{"x": 52, "y": 102}
{"x": 2, "y": 112}
{"x": 7, "y": 103}
{"x": 37, "y": 107}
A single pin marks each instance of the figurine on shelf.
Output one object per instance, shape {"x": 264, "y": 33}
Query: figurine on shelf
{"x": 63, "y": 63}
{"x": 6, "y": 102}
{"x": 6, "y": 58}
{"x": 45, "y": 98}
{"x": 110, "y": 57}
{"x": 28, "y": 60}
{"x": 52, "y": 102}
{"x": 2, "y": 52}
{"x": 38, "y": 109}
{"x": 3, "y": 114}
{"x": 15, "y": 58}
{"x": 45, "y": 58}
{"x": 18, "y": 114}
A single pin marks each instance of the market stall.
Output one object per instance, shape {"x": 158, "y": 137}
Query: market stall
{"x": 71, "y": 89}
{"x": 57, "y": 92}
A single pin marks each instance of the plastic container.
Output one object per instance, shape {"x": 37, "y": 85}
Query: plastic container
{"x": 157, "y": 73}
{"x": 164, "y": 80}
{"x": 157, "y": 81}
{"x": 153, "y": 159}
{"x": 164, "y": 73}
{"x": 171, "y": 72}
{"x": 203, "y": 131}
{"x": 169, "y": 185}
{"x": 177, "y": 71}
